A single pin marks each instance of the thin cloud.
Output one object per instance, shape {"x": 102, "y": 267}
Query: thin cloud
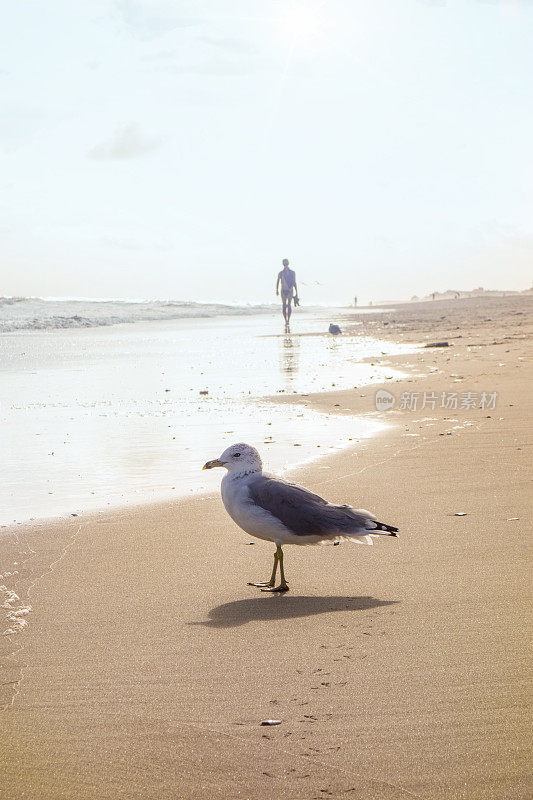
{"x": 229, "y": 43}
{"x": 121, "y": 243}
{"x": 219, "y": 65}
{"x": 128, "y": 142}
{"x": 216, "y": 65}
{"x": 149, "y": 19}
{"x": 221, "y": 56}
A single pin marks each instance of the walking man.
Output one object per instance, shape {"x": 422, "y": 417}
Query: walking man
{"x": 287, "y": 278}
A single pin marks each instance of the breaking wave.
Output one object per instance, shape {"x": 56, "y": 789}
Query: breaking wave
{"x": 35, "y": 313}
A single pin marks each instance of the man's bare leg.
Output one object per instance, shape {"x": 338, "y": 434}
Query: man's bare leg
{"x": 286, "y": 308}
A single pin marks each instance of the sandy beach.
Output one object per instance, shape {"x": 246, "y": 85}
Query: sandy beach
{"x": 397, "y": 671}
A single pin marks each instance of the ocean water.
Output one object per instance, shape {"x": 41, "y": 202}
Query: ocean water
{"x": 106, "y": 415}
{"x": 36, "y": 313}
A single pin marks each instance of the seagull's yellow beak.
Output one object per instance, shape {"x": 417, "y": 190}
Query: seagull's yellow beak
{"x": 214, "y": 463}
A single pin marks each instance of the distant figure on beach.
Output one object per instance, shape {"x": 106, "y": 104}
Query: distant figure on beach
{"x": 287, "y": 278}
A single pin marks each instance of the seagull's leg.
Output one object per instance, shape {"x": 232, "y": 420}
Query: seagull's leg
{"x": 283, "y": 587}
{"x": 272, "y": 580}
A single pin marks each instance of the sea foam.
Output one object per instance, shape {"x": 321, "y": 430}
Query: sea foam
{"x": 35, "y": 313}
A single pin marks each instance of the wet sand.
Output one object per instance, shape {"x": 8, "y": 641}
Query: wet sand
{"x": 112, "y": 416}
{"x": 397, "y": 671}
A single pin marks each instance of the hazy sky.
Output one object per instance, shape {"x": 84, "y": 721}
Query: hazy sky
{"x": 182, "y": 148}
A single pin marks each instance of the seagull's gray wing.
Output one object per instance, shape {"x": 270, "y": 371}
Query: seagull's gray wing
{"x": 308, "y": 514}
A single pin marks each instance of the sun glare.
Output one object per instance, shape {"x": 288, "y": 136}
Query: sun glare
{"x": 301, "y": 24}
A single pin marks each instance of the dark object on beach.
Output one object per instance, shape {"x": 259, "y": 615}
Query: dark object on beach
{"x": 271, "y": 722}
{"x": 334, "y": 329}
{"x": 438, "y": 344}
{"x": 204, "y": 391}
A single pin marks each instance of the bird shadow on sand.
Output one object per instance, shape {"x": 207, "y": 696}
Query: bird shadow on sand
{"x": 276, "y": 607}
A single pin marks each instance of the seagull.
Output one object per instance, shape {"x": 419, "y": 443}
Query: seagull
{"x": 284, "y": 513}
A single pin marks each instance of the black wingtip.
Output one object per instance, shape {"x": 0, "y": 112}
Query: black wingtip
{"x": 388, "y": 528}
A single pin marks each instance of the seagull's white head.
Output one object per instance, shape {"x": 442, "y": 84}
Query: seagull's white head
{"x": 239, "y": 458}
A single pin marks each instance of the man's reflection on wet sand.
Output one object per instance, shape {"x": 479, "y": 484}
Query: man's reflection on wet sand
{"x": 289, "y": 356}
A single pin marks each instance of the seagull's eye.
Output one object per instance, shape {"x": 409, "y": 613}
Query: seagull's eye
{"x": 236, "y": 455}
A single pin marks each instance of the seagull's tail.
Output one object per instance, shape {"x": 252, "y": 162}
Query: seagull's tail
{"x": 365, "y": 537}
{"x": 359, "y": 537}
{"x": 387, "y": 530}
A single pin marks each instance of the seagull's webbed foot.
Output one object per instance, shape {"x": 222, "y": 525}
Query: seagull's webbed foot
{"x": 283, "y": 587}
{"x": 261, "y": 585}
